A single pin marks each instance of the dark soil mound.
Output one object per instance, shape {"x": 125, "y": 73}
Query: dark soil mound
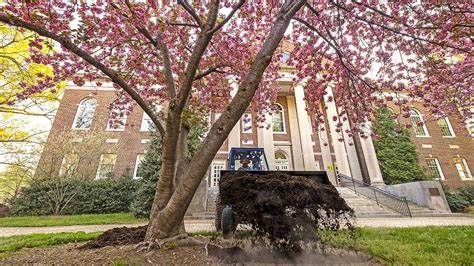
{"x": 286, "y": 210}
{"x": 118, "y": 237}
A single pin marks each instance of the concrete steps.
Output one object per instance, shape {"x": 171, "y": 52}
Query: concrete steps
{"x": 363, "y": 206}
{"x": 210, "y": 213}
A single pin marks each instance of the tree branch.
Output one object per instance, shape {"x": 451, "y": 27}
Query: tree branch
{"x": 208, "y": 71}
{"x": 191, "y": 11}
{"x": 73, "y": 48}
{"x": 234, "y": 10}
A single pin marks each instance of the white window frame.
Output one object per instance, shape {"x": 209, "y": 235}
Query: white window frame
{"x": 414, "y": 125}
{"x": 147, "y": 124}
{"x": 137, "y": 163}
{"x": 76, "y": 117}
{"x": 283, "y": 118}
{"x": 438, "y": 167}
{"x": 466, "y": 166}
{"x": 214, "y": 180}
{"x": 97, "y": 175}
{"x": 124, "y": 120}
{"x": 450, "y": 128}
{"x": 247, "y": 125}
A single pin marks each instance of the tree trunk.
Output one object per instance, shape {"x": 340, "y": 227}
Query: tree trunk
{"x": 164, "y": 222}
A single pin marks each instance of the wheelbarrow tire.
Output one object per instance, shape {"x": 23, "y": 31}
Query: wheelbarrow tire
{"x": 227, "y": 223}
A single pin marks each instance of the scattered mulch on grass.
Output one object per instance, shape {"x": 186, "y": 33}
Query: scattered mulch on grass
{"x": 118, "y": 237}
{"x": 286, "y": 210}
{"x": 70, "y": 254}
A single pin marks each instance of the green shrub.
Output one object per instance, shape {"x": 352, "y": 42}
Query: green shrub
{"x": 45, "y": 197}
{"x": 104, "y": 196}
{"x": 150, "y": 172}
{"x": 460, "y": 199}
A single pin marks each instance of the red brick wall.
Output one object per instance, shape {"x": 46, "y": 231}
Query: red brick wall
{"x": 129, "y": 141}
{"x": 442, "y": 150}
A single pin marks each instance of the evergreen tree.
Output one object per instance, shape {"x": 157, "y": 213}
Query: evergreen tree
{"x": 150, "y": 168}
{"x": 396, "y": 153}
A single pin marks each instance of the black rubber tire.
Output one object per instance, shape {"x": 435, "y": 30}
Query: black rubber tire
{"x": 227, "y": 223}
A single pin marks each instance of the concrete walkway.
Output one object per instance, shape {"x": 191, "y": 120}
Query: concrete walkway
{"x": 207, "y": 225}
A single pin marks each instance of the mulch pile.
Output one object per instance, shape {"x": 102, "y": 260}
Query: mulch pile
{"x": 287, "y": 210}
{"x": 118, "y": 237}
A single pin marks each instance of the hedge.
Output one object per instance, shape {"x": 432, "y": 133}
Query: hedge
{"x": 82, "y": 197}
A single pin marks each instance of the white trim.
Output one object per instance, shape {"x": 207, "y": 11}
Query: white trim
{"x": 77, "y": 113}
{"x": 136, "y": 165}
{"x": 425, "y": 129}
{"x": 214, "y": 179}
{"x": 145, "y": 141}
{"x": 426, "y": 146}
{"x": 450, "y": 128}
{"x": 283, "y": 118}
{"x": 111, "y": 141}
{"x": 470, "y": 177}
{"x": 438, "y": 167}
{"x": 100, "y": 162}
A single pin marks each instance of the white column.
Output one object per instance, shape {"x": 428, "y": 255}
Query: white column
{"x": 352, "y": 153}
{"x": 326, "y": 154}
{"x": 265, "y": 141}
{"x": 295, "y": 135}
{"x": 339, "y": 147}
{"x": 372, "y": 162}
{"x": 305, "y": 130}
{"x": 233, "y": 140}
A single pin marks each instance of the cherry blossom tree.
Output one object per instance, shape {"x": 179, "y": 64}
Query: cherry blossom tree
{"x": 189, "y": 57}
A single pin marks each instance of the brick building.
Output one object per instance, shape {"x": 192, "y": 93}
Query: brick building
{"x": 446, "y": 149}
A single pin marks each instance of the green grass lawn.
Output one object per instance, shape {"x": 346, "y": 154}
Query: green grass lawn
{"x": 8, "y": 245}
{"x": 62, "y": 220}
{"x": 446, "y": 245}
{"x": 443, "y": 245}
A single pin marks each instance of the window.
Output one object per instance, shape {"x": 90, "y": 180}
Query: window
{"x": 445, "y": 126}
{"x": 247, "y": 123}
{"x": 463, "y": 168}
{"x": 106, "y": 165}
{"x": 434, "y": 168}
{"x": 85, "y": 113}
{"x": 418, "y": 124}
{"x": 147, "y": 124}
{"x": 278, "y": 119}
{"x": 281, "y": 161}
{"x": 217, "y": 166}
{"x": 138, "y": 166}
{"x": 284, "y": 57}
{"x": 117, "y": 117}
{"x": 69, "y": 164}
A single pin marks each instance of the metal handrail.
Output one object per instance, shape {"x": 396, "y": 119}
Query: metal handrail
{"x": 394, "y": 202}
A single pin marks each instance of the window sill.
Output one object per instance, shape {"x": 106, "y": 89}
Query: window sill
{"x": 115, "y": 130}
{"x": 449, "y": 137}
{"x": 80, "y": 129}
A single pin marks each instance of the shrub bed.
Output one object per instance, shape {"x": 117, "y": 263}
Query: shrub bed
{"x": 44, "y": 197}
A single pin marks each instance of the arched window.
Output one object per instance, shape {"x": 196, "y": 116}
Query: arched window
{"x": 281, "y": 161}
{"x": 418, "y": 123}
{"x": 278, "y": 119}
{"x": 85, "y": 113}
{"x": 446, "y": 128}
